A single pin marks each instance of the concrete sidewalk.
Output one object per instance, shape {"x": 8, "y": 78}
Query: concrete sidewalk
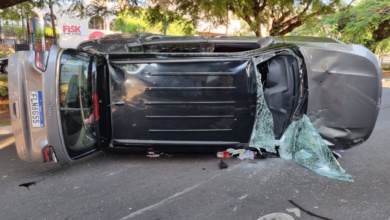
{"x": 6, "y": 137}
{"x": 6, "y": 130}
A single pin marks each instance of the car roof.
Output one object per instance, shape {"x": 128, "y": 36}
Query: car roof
{"x": 156, "y": 42}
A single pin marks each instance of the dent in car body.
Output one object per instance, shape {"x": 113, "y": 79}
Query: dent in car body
{"x": 344, "y": 84}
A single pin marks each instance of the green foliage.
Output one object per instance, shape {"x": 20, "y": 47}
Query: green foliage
{"x": 277, "y": 16}
{"x": 129, "y": 23}
{"x": 14, "y": 13}
{"x": 362, "y": 21}
{"x": 12, "y": 31}
{"x": 48, "y": 31}
{"x": 367, "y": 23}
{"x": 383, "y": 47}
{"x": 3, "y": 86}
{"x": 6, "y": 50}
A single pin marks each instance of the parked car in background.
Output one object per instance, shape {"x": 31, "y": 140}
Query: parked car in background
{"x": 4, "y": 65}
{"x": 156, "y": 91}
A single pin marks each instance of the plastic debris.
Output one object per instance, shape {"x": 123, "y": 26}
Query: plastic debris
{"x": 223, "y": 154}
{"x": 302, "y": 143}
{"x": 230, "y": 153}
{"x": 336, "y": 154}
{"x": 154, "y": 154}
{"x": 223, "y": 165}
{"x": 248, "y": 155}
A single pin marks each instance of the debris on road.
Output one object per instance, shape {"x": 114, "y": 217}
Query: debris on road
{"x": 230, "y": 153}
{"x": 223, "y": 165}
{"x": 247, "y": 155}
{"x": 27, "y": 185}
{"x": 308, "y": 212}
{"x": 154, "y": 154}
{"x": 223, "y": 154}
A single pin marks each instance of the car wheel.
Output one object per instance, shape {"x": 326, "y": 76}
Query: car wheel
{"x": 5, "y": 69}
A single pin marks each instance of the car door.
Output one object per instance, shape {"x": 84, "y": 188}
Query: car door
{"x": 205, "y": 100}
{"x": 51, "y": 103}
{"x": 181, "y": 100}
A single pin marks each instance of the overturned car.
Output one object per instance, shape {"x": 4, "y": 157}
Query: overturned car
{"x": 156, "y": 91}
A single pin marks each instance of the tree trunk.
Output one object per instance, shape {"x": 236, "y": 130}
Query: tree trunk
{"x": 28, "y": 30}
{"x": 258, "y": 31}
{"x": 52, "y": 23}
{"x": 23, "y": 28}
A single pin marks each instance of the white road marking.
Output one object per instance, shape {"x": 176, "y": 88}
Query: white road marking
{"x": 243, "y": 197}
{"x": 296, "y": 211}
{"x": 276, "y": 216}
{"x": 176, "y": 195}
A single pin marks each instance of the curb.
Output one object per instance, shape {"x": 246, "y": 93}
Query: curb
{"x": 6, "y": 130}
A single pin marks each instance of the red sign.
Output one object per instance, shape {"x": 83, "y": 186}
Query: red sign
{"x": 71, "y": 29}
{"x": 95, "y": 35}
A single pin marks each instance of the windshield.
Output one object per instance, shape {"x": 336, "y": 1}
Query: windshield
{"x": 76, "y": 102}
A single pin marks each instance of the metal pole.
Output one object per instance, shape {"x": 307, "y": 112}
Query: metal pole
{"x": 32, "y": 42}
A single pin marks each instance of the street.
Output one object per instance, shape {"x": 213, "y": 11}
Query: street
{"x": 110, "y": 185}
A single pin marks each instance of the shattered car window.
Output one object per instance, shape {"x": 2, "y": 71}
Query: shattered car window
{"x": 302, "y": 143}
{"x": 262, "y": 134}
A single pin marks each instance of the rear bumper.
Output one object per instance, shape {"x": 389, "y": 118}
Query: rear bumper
{"x": 20, "y": 84}
{"x": 25, "y": 79}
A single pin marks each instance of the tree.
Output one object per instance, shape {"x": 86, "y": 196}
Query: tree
{"x": 50, "y": 4}
{"x": 367, "y": 23}
{"x": 20, "y": 12}
{"x": 128, "y": 23}
{"x": 264, "y": 17}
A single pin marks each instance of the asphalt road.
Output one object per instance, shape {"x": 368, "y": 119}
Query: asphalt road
{"x": 192, "y": 186}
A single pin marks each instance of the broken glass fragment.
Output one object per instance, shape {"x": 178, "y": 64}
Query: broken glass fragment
{"x": 302, "y": 143}
{"x": 263, "y": 130}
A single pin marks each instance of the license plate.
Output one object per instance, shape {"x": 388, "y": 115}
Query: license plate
{"x": 36, "y": 109}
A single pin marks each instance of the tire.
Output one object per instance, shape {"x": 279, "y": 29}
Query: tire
{"x": 4, "y": 69}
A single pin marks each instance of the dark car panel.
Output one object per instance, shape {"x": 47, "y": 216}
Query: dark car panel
{"x": 188, "y": 101}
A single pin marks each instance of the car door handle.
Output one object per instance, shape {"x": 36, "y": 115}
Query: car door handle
{"x": 15, "y": 110}
{"x": 119, "y": 103}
